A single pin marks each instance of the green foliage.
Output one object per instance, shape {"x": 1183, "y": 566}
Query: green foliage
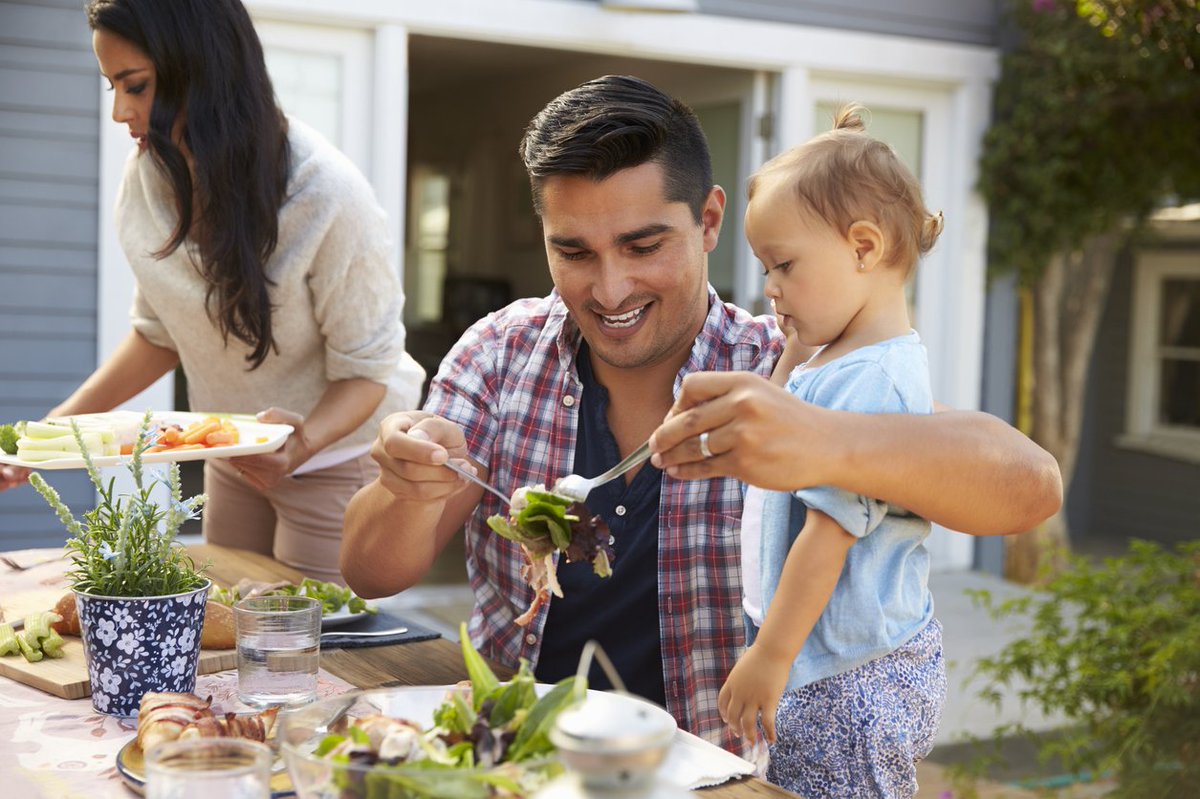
{"x": 1116, "y": 649}
{"x": 1097, "y": 116}
{"x": 126, "y": 545}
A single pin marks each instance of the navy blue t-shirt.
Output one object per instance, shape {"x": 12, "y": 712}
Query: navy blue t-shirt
{"x": 620, "y": 611}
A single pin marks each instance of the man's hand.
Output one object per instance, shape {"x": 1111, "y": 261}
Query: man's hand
{"x": 411, "y": 450}
{"x": 757, "y": 432}
{"x": 266, "y": 470}
{"x": 752, "y": 690}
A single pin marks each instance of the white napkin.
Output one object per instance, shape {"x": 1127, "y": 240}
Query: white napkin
{"x": 694, "y": 763}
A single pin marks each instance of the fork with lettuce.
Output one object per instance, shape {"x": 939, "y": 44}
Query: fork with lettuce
{"x": 545, "y": 524}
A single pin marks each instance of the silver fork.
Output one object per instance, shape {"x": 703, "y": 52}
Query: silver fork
{"x": 578, "y": 488}
{"x": 464, "y": 473}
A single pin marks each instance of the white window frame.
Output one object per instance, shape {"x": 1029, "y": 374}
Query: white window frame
{"x": 1143, "y": 431}
{"x": 353, "y": 47}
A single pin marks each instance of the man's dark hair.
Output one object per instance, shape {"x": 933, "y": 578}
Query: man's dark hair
{"x": 614, "y": 123}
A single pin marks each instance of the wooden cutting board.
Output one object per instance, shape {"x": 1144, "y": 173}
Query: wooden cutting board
{"x": 67, "y": 676}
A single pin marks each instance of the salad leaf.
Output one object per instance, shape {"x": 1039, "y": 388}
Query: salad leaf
{"x": 517, "y": 695}
{"x": 427, "y": 779}
{"x": 534, "y": 736}
{"x": 483, "y": 679}
{"x": 455, "y": 715}
{"x": 333, "y": 597}
{"x": 542, "y": 522}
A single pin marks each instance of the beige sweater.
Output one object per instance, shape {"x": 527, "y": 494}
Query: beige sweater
{"x": 336, "y": 297}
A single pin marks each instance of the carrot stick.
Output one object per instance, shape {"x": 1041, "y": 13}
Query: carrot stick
{"x": 196, "y": 433}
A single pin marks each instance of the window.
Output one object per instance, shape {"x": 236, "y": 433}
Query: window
{"x": 429, "y": 244}
{"x": 322, "y": 75}
{"x": 1164, "y": 375}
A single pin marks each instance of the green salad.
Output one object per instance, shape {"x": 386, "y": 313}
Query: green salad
{"x": 333, "y": 597}
{"x": 545, "y": 523}
{"x": 487, "y": 739}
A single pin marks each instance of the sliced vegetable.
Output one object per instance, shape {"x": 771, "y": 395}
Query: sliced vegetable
{"x": 8, "y": 640}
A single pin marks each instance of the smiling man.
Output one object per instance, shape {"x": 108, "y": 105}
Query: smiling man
{"x": 572, "y": 382}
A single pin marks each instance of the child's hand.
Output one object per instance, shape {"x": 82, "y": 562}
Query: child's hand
{"x": 754, "y": 687}
{"x": 794, "y": 352}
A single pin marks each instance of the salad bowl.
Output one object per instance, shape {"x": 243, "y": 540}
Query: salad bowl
{"x": 337, "y": 748}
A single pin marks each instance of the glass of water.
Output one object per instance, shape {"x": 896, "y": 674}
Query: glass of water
{"x": 279, "y": 649}
{"x": 201, "y": 768}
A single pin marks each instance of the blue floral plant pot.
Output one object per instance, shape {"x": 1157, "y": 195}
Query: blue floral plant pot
{"x": 135, "y": 645}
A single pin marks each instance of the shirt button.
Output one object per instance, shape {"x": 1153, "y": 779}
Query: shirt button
{"x": 568, "y": 400}
{"x": 620, "y": 511}
{"x": 531, "y": 639}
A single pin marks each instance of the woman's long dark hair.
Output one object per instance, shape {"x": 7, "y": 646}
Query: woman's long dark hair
{"x": 209, "y": 65}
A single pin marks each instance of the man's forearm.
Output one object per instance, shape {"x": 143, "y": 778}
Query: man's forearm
{"x": 965, "y": 470}
{"x": 388, "y": 544}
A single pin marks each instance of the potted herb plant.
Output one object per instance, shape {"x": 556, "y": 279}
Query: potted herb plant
{"x": 140, "y": 597}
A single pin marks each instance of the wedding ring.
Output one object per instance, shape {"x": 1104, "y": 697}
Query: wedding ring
{"x": 704, "y": 450}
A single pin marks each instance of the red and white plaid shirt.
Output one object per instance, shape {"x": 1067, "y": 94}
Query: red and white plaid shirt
{"x": 511, "y": 383}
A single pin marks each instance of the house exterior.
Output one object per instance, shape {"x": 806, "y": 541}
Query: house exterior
{"x": 1139, "y": 458}
{"x": 430, "y": 99}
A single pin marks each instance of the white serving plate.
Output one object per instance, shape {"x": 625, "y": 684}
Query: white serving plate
{"x": 250, "y": 431}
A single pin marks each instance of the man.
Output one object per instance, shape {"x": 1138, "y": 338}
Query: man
{"x": 571, "y": 382}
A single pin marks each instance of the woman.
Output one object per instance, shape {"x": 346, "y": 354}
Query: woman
{"x": 261, "y": 265}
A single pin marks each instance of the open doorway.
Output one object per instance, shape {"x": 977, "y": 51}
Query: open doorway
{"x": 472, "y": 240}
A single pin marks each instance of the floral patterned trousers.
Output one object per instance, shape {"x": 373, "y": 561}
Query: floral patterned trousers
{"x": 860, "y": 734}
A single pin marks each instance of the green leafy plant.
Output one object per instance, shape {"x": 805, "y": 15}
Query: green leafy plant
{"x": 126, "y": 545}
{"x": 1115, "y": 648}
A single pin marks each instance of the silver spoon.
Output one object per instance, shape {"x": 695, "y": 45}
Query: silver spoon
{"x": 464, "y": 473}
{"x": 578, "y": 488}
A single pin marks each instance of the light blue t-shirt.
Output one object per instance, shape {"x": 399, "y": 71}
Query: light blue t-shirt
{"x": 882, "y": 598}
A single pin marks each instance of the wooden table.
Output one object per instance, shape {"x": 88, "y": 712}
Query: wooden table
{"x": 436, "y": 662}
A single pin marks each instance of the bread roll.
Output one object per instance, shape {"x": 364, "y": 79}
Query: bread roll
{"x": 218, "y": 632}
{"x": 70, "y": 616}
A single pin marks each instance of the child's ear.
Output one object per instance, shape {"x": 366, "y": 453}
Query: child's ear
{"x": 868, "y": 242}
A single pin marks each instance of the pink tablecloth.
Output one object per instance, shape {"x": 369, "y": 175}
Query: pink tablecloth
{"x": 62, "y": 748}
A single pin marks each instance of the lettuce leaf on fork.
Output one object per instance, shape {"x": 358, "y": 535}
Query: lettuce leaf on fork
{"x": 545, "y": 523}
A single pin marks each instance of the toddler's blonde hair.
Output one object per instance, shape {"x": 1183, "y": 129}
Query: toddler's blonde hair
{"x": 845, "y": 175}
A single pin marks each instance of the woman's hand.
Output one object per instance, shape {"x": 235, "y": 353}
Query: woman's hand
{"x": 752, "y": 690}
{"x": 757, "y": 432}
{"x": 266, "y": 470}
{"x": 13, "y": 476}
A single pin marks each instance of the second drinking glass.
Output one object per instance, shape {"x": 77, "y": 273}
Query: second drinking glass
{"x": 278, "y": 648}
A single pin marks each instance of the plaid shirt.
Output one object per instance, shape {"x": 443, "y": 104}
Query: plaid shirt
{"x": 511, "y": 383}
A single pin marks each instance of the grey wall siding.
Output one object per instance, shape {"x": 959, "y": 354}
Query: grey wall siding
{"x": 1118, "y": 492}
{"x": 964, "y": 21}
{"x": 49, "y": 161}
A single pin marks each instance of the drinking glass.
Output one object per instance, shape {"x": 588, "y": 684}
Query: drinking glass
{"x": 201, "y": 768}
{"x": 279, "y": 649}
